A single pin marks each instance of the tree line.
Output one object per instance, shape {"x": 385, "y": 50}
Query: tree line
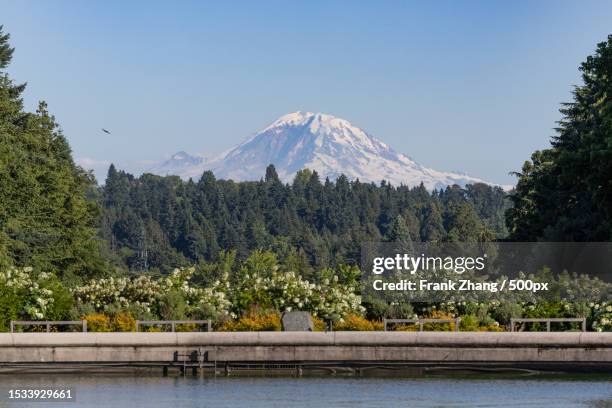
{"x": 153, "y": 222}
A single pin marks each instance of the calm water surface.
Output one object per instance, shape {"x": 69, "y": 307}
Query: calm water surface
{"x": 179, "y": 392}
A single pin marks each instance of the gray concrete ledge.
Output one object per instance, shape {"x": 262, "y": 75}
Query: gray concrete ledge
{"x": 377, "y": 339}
{"x": 436, "y": 348}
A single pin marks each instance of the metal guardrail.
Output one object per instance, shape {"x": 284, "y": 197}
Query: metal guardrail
{"x": 172, "y": 323}
{"x": 421, "y": 322}
{"x": 548, "y": 321}
{"x": 48, "y": 324}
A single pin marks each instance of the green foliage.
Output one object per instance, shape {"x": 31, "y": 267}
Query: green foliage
{"x": 601, "y": 316}
{"x": 263, "y": 282}
{"x": 353, "y": 322}
{"x": 258, "y": 266}
{"x": 564, "y": 193}
{"x": 124, "y": 322}
{"x": 98, "y": 322}
{"x": 28, "y": 295}
{"x": 208, "y": 272}
{"x": 159, "y": 223}
{"x": 172, "y": 306}
{"x": 259, "y": 281}
{"x": 378, "y": 309}
{"x": 398, "y": 235}
{"x": 6, "y": 52}
{"x": 144, "y": 296}
{"x": 254, "y": 320}
{"x": 251, "y": 293}
{"x": 503, "y": 311}
{"x": 11, "y": 306}
{"x": 432, "y": 229}
{"x": 62, "y": 302}
{"x": 469, "y": 323}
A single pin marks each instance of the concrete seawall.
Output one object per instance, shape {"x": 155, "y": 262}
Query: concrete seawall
{"x": 567, "y": 350}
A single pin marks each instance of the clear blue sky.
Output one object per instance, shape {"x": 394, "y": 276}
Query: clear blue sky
{"x": 457, "y": 85}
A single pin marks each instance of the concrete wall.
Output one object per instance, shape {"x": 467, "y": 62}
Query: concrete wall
{"x": 407, "y": 347}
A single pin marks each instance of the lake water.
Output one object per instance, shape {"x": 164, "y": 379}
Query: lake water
{"x": 184, "y": 392}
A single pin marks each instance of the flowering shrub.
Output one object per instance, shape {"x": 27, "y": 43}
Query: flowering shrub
{"x": 124, "y": 322}
{"x": 253, "y": 321}
{"x": 261, "y": 282}
{"x": 602, "y": 316}
{"x": 319, "y": 324}
{"x": 97, "y": 322}
{"x": 144, "y": 294}
{"x": 25, "y": 294}
{"x": 104, "y": 294}
{"x": 353, "y": 322}
{"x": 437, "y": 314}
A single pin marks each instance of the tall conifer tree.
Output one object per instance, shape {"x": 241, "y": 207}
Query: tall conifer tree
{"x": 45, "y": 219}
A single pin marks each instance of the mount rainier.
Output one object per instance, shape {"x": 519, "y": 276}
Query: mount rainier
{"x": 317, "y": 141}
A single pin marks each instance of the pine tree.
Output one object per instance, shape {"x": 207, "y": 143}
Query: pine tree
{"x": 6, "y": 52}
{"x": 432, "y": 229}
{"x": 45, "y": 219}
{"x": 398, "y": 235}
{"x": 565, "y": 193}
{"x": 271, "y": 174}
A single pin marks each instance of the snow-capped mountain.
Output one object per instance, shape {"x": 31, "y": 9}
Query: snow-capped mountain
{"x": 180, "y": 164}
{"x": 317, "y": 141}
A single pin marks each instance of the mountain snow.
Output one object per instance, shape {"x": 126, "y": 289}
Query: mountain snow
{"x": 317, "y": 141}
{"x": 181, "y": 164}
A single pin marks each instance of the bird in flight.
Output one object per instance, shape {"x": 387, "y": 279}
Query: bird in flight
{"x": 106, "y": 131}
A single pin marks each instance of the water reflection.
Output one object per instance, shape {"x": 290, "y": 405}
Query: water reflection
{"x": 137, "y": 391}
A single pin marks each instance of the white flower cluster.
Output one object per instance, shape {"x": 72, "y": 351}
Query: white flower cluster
{"x": 123, "y": 292}
{"x": 145, "y": 293}
{"x": 289, "y": 291}
{"x": 213, "y": 298}
{"x": 602, "y": 316}
{"x": 24, "y": 284}
{"x": 285, "y": 290}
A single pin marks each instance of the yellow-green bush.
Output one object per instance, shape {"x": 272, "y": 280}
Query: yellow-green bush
{"x": 411, "y": 327}
{"x": 97, "y": 322}
{"x": 124, "y": 322}
{"x": 436, "y": 314}
{"x": 353, "y": 322}
{"x": 473, "y": 324}
{"x": 318, "y": 323}
{"x": 469, "y": 323}
{"x": 491, "y": 328}
{"x": 265, "y": 321}
{"x": 186, "y": 327}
